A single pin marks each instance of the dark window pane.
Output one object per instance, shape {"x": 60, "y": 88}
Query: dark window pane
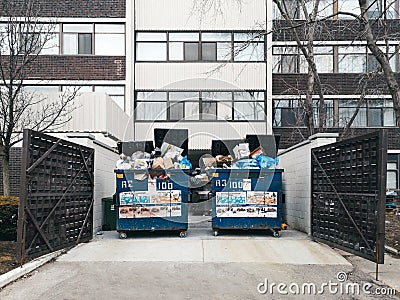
{"x": 209, "y": 110}
{"x": 191, "y": 51}
{"x": 176, "y": 111}
{"x": 85, "y": 43}
{"x": 209, "y": 51}
{"x": 375, "y": 117}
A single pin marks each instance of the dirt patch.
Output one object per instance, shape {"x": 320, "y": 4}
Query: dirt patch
{"x": 7, "y": 256}
{"x": 393, "y": 231}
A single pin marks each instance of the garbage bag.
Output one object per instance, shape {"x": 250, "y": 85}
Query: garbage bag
{"x": 185, "y": 163}
{"x": 266, "y": 162}
{"x": 246, "y": 163}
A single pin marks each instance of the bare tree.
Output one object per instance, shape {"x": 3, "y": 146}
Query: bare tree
{"x": 380, "y": 56}
{"x": 22, "y": 38}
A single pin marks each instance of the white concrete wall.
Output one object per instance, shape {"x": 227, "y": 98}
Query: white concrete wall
{"x": 296, "y": 180}
{"x": 192, "y": 15}
{"x": 198, "y": 76}
{"x": 104, "y": 165}
{"x": 200, "y": 136}
{"x": 95, "y": 112}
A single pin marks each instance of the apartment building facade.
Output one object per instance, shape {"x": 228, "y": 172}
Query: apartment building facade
{"x": 222, "y": 69}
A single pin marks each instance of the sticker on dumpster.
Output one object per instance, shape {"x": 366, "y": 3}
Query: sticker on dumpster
{"x": 130, "y": 198}
{"x": 126, "y": 212}
{"x": 147, "y": 205}
{"x": 246, "y": 184}
{"x": 252, "y": 204}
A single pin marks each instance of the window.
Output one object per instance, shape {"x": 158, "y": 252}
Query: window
{"x": 248, "y": 47}
{"x": 184, "y": 105}
{"x": 222, "y": 42}
{"x": 392, "y": 180}
{"x": 295, "y": 10}
{"x": 285, "y": 59}
{"x": 151, "y": 46}
{"x": 372, "y": 113}
{"x": 348, "y": 6}
{"x": 151, "y": 106}
{"x": 110, "y": 39}
{"x": 209, "y": 51}
{"x": 191, "y": 51}
{"x": 352, "y": 59}
{"x": 288, "y": 113}
{"x": 116, "y": 92}
{"x": 195, "y": 46}
{"x": 98, "y": 39}
{"x": 205, "y": 105}
{"x": 77, "y": 38}
{"x": 390, "y": 52}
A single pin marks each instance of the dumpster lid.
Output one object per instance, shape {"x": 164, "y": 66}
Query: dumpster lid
{"x": 224, "y": 147}
{"x": 176, "y": 137}
{"x": 128, "y": 148}
{"x": 269, "y": 143}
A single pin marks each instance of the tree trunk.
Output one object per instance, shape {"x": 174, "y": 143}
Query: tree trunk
{"x": 388, "y": 73}
{"x": 5, "y": 159}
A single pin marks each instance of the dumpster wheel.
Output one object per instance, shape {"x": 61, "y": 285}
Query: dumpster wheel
{"x": 122, "y": 235}
{"x": 277, "y": 234}
{"x": 183, "y": 234}
{"x": 215, "y": 233}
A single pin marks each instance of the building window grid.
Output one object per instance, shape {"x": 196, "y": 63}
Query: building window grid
{"x": 85, "y": 35}
{"x": 219, "y": 51}
{"x": 373, "y": 113}
{"x": 331, "y": 7}
{"x": 200, "y": 101}
{"x": 341, "y": 59}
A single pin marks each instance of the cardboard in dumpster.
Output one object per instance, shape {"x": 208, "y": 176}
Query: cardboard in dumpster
{"x": 177, "y": 137}
{"x": 241, "y": 151}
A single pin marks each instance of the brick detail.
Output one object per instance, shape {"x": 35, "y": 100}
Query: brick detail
{"x": 73, "y": 8}
{"x": 333, "y": 30}
{"x": 333, "y": 84}
{"x": 60, "y": 67}
{"x": 15, "y": 172}
{"x": 292, "y": 136}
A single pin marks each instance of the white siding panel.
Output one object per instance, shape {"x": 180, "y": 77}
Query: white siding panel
{"x": 187, "y": 76}
{"x": 201, "y": 134}
{"x": 192, "y": 15}
{"x": 94, "y": 112}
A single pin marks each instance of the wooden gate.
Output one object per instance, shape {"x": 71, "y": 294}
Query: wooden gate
{"x": 56, "y": 195}
{"x": 348, "y": 195}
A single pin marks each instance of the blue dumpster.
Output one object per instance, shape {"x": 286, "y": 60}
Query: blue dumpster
{"x": 151, "y": 204}
{"x": 247, "y": 199}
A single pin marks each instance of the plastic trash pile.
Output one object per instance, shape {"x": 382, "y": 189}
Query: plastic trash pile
{"x": 166, "y": 158}
{"x": 243, "y": 159}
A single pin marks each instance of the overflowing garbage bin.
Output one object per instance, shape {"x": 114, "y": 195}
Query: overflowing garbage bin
{"x": 247, "y": 199}
{"x": 151, "y": 204}
{"x": 246, "y": 186}
{"x": 152, "y": 187}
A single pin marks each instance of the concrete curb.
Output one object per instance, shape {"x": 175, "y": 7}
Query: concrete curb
{"x": 391, "y": 250}
{"x": 18, "y": 272}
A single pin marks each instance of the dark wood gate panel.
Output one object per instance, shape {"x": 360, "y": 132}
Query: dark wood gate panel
{"x": 348, "y": 195}
{"x": 56, "y": 196}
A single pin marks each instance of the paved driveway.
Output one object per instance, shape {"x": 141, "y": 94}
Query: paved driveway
{"x": 159, "y": 266}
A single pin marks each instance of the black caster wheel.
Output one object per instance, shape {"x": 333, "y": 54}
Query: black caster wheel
{"x": 122, "y": 235}
{"x": 215, "y": 233}
{"x": 277, "y": 234}
{"x": 183, "y": 234}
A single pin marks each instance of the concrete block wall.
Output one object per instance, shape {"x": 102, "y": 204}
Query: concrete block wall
{"x": 296, "y": 180}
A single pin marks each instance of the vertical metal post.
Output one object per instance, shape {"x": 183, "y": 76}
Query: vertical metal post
{"x": 22, "y": 198}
